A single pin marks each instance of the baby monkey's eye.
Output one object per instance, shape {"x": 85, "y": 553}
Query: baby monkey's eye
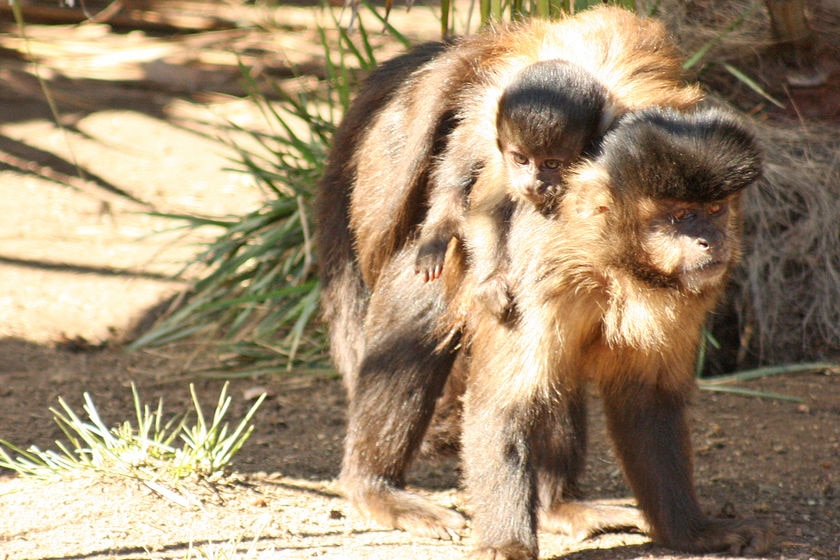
{"x": 519, "y": 158}
{"x": 552, "y": 164}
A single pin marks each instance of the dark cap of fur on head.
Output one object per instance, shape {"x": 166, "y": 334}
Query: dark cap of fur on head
{"x": 695, "y": 157}
{"x": 549, "y": 102}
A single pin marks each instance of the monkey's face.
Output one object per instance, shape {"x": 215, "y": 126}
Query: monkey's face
{"x": 536, "y": 177}
{"x": 690, "y": 242}
{"x": 676, "y": 180}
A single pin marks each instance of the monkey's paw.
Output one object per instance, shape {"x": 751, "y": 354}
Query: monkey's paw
{"x": 581, "y": 520}
{"x": 430, "y": 258}
{"x": 510, "y": 551}
{"x": 745, "y": 538}
{"x": 400, "y": 509}
{"x": 494, "y": 296}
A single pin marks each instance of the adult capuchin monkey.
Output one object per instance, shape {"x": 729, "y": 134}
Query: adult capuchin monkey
{"x": 612, "y": 285}
{"x": 614, "y": 289}
{"x": 544, "y": 120}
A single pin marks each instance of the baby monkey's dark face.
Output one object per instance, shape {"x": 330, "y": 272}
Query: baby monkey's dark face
{"x": 535, "y": 176}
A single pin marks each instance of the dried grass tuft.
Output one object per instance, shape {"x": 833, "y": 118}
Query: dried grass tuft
{"x": 789, "y": 277}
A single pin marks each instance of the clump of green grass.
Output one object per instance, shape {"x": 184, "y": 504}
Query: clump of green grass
{"x": 152, "y": 450}
{"x": 260, "y": 293}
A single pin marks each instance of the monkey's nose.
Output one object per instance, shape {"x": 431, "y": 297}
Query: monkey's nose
{"x": 703, "y": 244}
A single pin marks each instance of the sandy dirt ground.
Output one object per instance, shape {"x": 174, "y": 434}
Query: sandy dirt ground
{"x": 81, "y": 260}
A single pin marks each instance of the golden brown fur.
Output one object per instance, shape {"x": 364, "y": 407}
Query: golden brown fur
{"x": 550, "y": 114}
{"x": 631, "y": 56}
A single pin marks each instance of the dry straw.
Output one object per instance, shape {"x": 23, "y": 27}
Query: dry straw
{"x": 790, "y": 273}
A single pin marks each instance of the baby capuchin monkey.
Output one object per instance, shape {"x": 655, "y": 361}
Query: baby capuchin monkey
{"x": 545, "y": 120}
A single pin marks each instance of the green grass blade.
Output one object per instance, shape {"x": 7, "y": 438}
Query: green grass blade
{"x": 388, "y": 27}
{"x": 749, "y": 393}
{"x": 769, "y": 371}
{"x": 750, "y": 83}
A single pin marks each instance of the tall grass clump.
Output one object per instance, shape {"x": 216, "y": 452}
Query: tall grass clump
{"x": 259, "y": 297}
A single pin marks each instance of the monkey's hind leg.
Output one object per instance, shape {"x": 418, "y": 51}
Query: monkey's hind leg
{"x": 493, "y": 294}
{"x": 401, "y": 375}
{"x": 487, "y": 244}
{"x": 388, "y": 418}
{"x": 559, "y": 450}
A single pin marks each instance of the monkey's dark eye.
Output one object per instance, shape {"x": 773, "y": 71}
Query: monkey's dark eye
{"x": 552, "y": 164}
{"x": 714, "y": 208}
{"x": 518, "y": 158}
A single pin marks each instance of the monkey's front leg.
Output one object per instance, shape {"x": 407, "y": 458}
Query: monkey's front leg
{"x": 649, "y": 428}
{"x": 445, "y": 218}
{"x": 558, "y": 450}
{"x": 486, "y": 235}
{"x": 499, "y": 476}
